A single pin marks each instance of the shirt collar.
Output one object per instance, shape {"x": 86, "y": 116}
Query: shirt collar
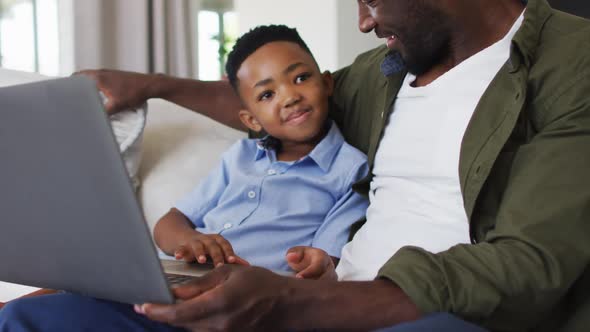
{"x": 260, "y": 150}
{"x": 527, "y": 37}
{"x": 324, "y": 153}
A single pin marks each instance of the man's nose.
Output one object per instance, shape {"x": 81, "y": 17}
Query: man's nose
{"x": 366, "y": 21}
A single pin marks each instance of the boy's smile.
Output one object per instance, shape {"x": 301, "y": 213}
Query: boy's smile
{"x": 297, "y": 116}
{"x": 285, "y": 95}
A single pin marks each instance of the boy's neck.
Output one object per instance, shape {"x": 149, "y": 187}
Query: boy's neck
{"x": 293, "y": 151}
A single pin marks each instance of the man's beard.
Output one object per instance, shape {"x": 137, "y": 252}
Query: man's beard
{"x": 426, "y": 46}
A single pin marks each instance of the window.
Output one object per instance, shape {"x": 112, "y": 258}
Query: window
{"x": 29, "y": 35}
{"x": 218, "y": 30}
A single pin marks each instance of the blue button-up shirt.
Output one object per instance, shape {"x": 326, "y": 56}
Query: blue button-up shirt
{"x": 263, "y": 206}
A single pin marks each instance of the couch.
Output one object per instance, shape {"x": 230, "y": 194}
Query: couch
{"x": 179, "y": 147}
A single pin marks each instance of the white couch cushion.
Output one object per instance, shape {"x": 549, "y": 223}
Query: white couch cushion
{"x": 180, "y": 148}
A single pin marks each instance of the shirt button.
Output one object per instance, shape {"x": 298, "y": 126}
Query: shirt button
{"x": 382, "y": 114}
{"x": 227, "y": 226}
{"x": 251, "y": 194}
{"x": 272, "y": 172}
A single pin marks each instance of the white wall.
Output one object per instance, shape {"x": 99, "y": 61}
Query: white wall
{"x": 113, "y": 33}
{"x": 329, "y": 27}
{"x": 351, "y": 41}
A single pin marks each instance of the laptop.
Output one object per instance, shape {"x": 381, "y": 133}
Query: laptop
{"x": 69, "y": 219}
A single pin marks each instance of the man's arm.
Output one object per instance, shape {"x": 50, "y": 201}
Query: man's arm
{"x": 214, "y": 99}
{"x": 249, "y": 298}
{"x": 528, "y": 263}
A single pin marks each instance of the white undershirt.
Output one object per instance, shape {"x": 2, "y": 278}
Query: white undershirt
{"x": 415, "y": 193}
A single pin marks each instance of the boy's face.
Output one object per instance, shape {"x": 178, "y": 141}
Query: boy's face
{"x": 284, "y": 92}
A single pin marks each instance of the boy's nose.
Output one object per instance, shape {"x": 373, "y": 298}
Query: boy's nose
{"x": 291, "y": 97}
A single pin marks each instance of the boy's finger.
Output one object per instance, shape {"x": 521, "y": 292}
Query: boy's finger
{"x": 199, "y": 251}
{"x": 215, "y": 252}
{"x": 298, "y": 259}
{"x": 299, "y": 251}
{"x": 180, "y": 252}
{"x": 228, "y": 250}
{"x": 241, "y": 261}
{"x": 313, "y": 271}
{"x": 317, "y": 266}
{"x": 184, "y": 253}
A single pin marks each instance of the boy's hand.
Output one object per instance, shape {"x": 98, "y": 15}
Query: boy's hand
{"x": 311, "y": 263}
{"x": 199, "y": 246}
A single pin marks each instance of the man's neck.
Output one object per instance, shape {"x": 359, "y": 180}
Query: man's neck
{"x": 478, "y": 24}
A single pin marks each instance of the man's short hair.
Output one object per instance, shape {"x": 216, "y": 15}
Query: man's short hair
{"x": 254, "y": 39}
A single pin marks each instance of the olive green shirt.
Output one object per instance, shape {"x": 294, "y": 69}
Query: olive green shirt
{"x": 525, "y": 179}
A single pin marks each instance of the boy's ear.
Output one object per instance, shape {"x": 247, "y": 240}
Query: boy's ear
{"x": 249, "y": 120}
{"x": 328, "y": 82}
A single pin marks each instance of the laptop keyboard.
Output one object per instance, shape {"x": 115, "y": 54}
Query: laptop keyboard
{"x": 175, "y": 279}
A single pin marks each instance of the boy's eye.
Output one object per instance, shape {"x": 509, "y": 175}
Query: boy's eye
{"x": 302, "y": 78}
{"x": 265, "y": 95}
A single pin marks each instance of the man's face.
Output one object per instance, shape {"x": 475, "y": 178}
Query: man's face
{"x": 417, "y": 29}
{"x": 285, "y": 93}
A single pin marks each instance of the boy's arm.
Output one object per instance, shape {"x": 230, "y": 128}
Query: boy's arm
{"x": 350, "y": 207}
{"x": 172, "y": 230}
{"x": 175, "y": 235}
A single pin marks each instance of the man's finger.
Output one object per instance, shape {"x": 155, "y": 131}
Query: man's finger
{"x": 176, "y": 314}
{"x": 199, "y": 285}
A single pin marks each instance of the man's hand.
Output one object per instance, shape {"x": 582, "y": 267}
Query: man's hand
{"x": 199, "y": 246}
{"x": 246, "y": 298}
{"x": 123, "y": 90}
{"x": 311, "y": 263}
{"x": 229, "y": 298}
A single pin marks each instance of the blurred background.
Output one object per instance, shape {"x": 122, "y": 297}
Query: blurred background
{"x": 186, "y": 38}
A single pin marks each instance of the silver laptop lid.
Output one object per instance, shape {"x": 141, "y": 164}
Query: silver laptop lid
{"x": 69, "y": 218}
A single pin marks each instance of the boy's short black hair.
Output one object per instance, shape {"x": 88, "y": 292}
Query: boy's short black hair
{"x": 254, "y": 39}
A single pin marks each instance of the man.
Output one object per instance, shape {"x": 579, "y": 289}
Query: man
{"x": 482, "y": 131}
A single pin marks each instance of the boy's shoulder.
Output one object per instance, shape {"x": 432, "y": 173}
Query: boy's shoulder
{"x": 244, "y": 146}
{"x": 352, "y": 154}
{"x": 350, "y": 159}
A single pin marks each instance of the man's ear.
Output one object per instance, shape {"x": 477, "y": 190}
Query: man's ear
{"x": 250, "y": 121}
{"x": 328, "y": 82}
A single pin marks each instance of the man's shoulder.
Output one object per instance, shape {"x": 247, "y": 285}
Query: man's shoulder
{"x": 564, "y": 41}
{"x": 561, "y": 64}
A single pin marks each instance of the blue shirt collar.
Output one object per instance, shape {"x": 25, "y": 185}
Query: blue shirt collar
{"x": 324, "y": 153}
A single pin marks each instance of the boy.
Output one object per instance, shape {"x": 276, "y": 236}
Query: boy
{"x": 288, "y": 192}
